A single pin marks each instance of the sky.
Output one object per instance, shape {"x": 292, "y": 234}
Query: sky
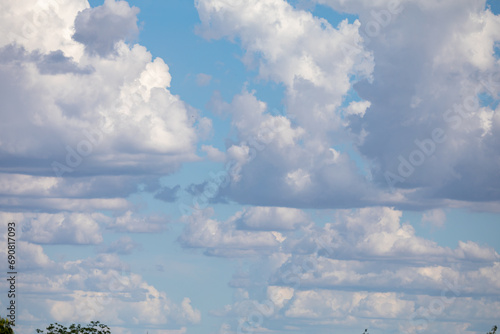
{"x": 252, "y": 166}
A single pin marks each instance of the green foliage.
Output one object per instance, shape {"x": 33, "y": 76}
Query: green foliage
{"x": 493, "y": 330}
{"x": 93, "y": 328}
{"x": 5, "y": 326}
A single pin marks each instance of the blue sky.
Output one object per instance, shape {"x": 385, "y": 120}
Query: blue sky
{"x": 260, "y": 166}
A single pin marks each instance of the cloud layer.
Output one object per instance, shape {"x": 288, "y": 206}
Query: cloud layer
{"x": 365, "y": 266}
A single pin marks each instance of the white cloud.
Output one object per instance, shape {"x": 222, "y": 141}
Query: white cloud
{"x": 358, "y": 108}
{"x": 203, "y": 79}
{"x": 118, "y": 116}
{"x": 124, "y": 245}
{"x": 436, "y": 217}
{"x": 279, "y": 296}
{"x": 84, "y": 290}
{"x": 429, "y": 83}
{"x": 365, "y": 264}
{"x": 58, "y": 228}
{"x": 309, "y": 57}
{"x": 100, "y": 28}
{"x": 324, "y": 304}
{"x": 213, "y": 153}
{"x": 131, "y": 222}
{"x": 223, "y": 239}
{"x": 293, "y": 47}
{"x": 272, "y": 219}
{"x": 411, "y": 94}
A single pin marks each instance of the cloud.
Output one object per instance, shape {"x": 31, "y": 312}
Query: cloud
{"x": 87, "y": 118}
{"x": 364, "y": 264}
{"x": 168, "y": 194}
{"x": 295, "y": 169}
{"x": 213, "y": 153}
{"x": 132, "y": 125}
{"x": 102, "y": 286}
{"x": 426, "y": 129}
{"x": 271, "y": 219}
{"x": 203, "y": 79}
{"x": 222, "y": 238}
{"x": 293, "y": 47}
{"x": 53, "y": 63}
{"x": 123, "y": 246}
{"x": 306, "y": 168}
{"x": 436, "y": 217}
{"x": 426, "y": 96}
{"x": 59, "y": 228}
{"x": 100, "y": 28}
{"x": 136, "y": 223}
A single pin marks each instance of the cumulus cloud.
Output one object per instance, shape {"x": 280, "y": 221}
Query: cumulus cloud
{"x": 103, "y": 287}
{"x": 426, "y": 128}
{"x": 436, "y": 217}
{"x": 223, "y": 239}
{"x": 57, "y": 228}
{"x": 52, "y": 63}
{"x": 100, "y": 28}
{"x": 366, "y": 264}
{"x": 272, "y": 219}
{"x": 118, "y": 115}
{"x": 203, "y": 79}
{"x": 213, "y": 153}
{"x": 318, "y": 74}
{"x": 123, "y": 246}
{"x": 426, "y": 96}
{"x": 293, "y": 168}
{"x": 136, "y": 223}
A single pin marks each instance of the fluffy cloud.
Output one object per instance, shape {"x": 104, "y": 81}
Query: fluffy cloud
{"x": 365, "y": 264}
{"x": 102, "y": 287}
{"x": 130, "y": 222}
{"x": 100, "y": 28}
{"x": 124, "y": 245}
{"x": 294, "y": 168}
{"x": 222, "y": 239}
{"x": 75, "y": 113}
{"x": 426, "y": 129}
{"x": 317, "y": 64}
{"x": 426, "y": 96}
{"x": 272, "y": 219}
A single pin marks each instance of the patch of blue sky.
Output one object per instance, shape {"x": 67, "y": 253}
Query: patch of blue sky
{"x": 351, "y": 96}
{"x": 494, "y": 6}
{"x": 361, "y": 163}
{"x": 173, "y": 269}
{"x": 496, "y": 49}
{"x": 272, "y": 94}
{"x": 333, "y": 17}
{"x": 63, "y": 253}
{"x": 457, "y": 227}
{"x": 168, "y": 32}
{"x": 486, "y": 100}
